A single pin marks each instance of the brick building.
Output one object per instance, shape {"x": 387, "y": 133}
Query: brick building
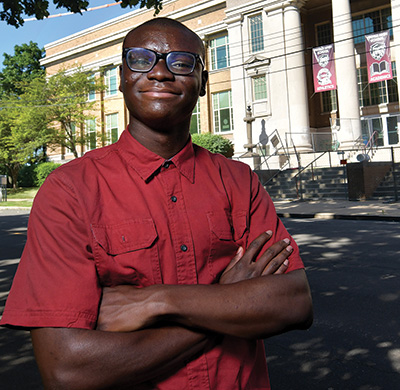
{"x": 259, "y": 56}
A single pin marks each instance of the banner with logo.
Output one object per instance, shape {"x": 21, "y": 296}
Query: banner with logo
{"x": 324, "y": 68}
{"x": 379, "y": 64}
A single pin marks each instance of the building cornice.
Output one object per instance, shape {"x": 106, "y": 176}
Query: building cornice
{"x": 118, "y": 36}
{"x": 235, "y": 13}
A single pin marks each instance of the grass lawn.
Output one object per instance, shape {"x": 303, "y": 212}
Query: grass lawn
{"x": 21, "y": 197}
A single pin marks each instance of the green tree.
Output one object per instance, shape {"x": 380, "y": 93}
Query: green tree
{"x": 23, "y": 131}
{"x": 22, "y": 66}
{"x": 14, "y": 9}
{"x": 68, "y": 107}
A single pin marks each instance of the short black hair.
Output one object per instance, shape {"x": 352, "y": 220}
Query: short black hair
{"x": 167, "y": 22}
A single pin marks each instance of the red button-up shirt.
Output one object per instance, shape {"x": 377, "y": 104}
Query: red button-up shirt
{"x": 124, "y": 215}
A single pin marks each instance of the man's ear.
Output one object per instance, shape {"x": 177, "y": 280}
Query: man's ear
{"x": 120, "y": 78}
{"x": 204, "y": 78}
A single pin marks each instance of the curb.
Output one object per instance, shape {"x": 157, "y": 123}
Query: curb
{"x": 385, "y": 218}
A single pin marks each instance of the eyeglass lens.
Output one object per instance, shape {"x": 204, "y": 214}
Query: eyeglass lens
{"x": 143, "y": 60}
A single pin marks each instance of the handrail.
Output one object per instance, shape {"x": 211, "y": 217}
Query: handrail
{"x": 312, "y": 162}
{"x": 372, "y": 144}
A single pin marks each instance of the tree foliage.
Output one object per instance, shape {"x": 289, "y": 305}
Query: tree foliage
{"x": 68, "y": 107}
{"x": 36, "y": 111}
{"x": 23, "y": 132}
{"x": 22, "y": 66}
{"x": 14, "y": 9}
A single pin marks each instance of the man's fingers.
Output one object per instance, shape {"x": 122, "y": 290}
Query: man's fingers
{"x": 275, "y": 260}
{"x": 238, "y": 256}
{"x": 255, "y": 246}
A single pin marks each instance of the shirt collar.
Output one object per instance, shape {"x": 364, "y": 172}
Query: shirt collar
{"x": 148, "y": 164}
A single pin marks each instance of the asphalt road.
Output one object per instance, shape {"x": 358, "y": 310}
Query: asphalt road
{"x": 354, "y": 344}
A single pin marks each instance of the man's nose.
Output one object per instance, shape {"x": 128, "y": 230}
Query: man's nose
{"x": 160, "y": 71}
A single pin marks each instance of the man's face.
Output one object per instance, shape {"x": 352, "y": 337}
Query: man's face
{"x": 159, "y": 98}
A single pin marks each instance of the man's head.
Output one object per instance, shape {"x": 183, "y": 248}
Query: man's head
{"x": 162, "y": 72}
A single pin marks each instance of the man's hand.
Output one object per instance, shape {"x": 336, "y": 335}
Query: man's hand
{"x": 120, "y": 302}
{"x": 245, "y": 266}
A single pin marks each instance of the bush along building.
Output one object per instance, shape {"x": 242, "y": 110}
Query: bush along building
{"x": 293, "y": 85}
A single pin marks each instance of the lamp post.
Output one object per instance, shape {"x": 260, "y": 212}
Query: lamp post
{"x": 249, "y": 119}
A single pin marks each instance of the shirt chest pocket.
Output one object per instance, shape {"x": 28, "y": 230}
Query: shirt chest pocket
{"x": 126, "y": 253}
{"x": 227, "y": 232}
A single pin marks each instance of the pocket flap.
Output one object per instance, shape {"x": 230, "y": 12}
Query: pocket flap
{"x": 125, "y": 237}
{"x": 240, "y": 224}
{"x": 220, "y": 225}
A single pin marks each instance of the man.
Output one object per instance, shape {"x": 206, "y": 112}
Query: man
{"x": 144, "y": 266}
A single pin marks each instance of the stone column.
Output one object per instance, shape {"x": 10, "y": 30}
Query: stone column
{"x": 296, "y": 76}
{"x": 346, "y": 75}
{"x": 396, "y": 37}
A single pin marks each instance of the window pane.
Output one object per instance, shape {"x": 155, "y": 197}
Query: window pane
{"x": 260, "y": 87}
{"x": 224, "y": 99}
{"x": 221, "y": 57}
{"x": 393, "y": 136}
{"x": 91, "y": 133}
{"x": 195, "y": 120}
{"x": 324, "y": 34}
{"x": 219, "y": 52}
{"x": 372, "y": 22}
{"x": 256, "y": 33}
{"x": 112, "y": 128}
{"x": 225, "y": 120}
{"x": 223, "y": 113}
{"x": 111, "y": 82}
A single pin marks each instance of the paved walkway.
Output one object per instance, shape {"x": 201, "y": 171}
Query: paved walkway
{"x": 322, "y": 209}
{"x": 339, "y": 209}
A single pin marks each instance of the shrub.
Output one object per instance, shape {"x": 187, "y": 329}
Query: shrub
{"x": 43, "y": 170}
{"x": 27, "y": 176}
{"x": 214, "y": 143}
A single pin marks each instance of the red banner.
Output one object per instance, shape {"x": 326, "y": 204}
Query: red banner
{"x": 378, "y": 57}
{"x": 324, "y": 68}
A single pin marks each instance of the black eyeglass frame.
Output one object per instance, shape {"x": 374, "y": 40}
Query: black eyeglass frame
{"x": 163, "y": 56}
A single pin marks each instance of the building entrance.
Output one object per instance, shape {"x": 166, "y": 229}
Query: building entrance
{"x": 383, "y": 129}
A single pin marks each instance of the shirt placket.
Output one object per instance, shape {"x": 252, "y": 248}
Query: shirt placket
{"x": 179, "y": 226}
{"x": 170, "y": 179}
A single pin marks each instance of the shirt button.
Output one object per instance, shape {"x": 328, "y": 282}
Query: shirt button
{"x": 184, "y": 248}
{"x": 174, "y": 198}
{"x": 167, "y": 164}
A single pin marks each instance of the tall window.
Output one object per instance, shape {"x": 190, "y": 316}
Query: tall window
{"x": 219, "y": 52}
{"x": 92, "y": 93}
{"x": 112, "y": 128}
{"x": 259, "y": 87}
{"x": 376, "y": 93}
{"x": 256, "y": 33}
{"x": 329, "y": 101}
{"x": 111, "y": 82}
{"x": 90, "y": 127}
{"x": 372, "y": 22}
{"x": 223, "y": 113}
{"x": 195, "y": 121}
{"x": 73, "y": 134}
{"x": 324, "y": 34}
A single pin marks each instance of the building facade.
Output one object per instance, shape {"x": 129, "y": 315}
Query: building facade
{"x": 259, "y": 57}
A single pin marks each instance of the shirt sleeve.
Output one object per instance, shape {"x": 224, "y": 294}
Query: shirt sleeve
{"x": 263, "y": 217}
{"x": 56, "y": 284}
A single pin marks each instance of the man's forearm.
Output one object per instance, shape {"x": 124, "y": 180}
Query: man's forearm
{"x": 254, "y": 308}
{"x": 91, "y": 359}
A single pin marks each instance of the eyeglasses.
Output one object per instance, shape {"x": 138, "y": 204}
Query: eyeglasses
{"x": 144, "y": 60}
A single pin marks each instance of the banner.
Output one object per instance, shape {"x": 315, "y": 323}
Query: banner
{"x": 324, "y": 68}
{"x": 379, "y": 64}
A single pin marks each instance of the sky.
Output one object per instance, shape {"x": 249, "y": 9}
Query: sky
{"x": 49, "y": 30}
